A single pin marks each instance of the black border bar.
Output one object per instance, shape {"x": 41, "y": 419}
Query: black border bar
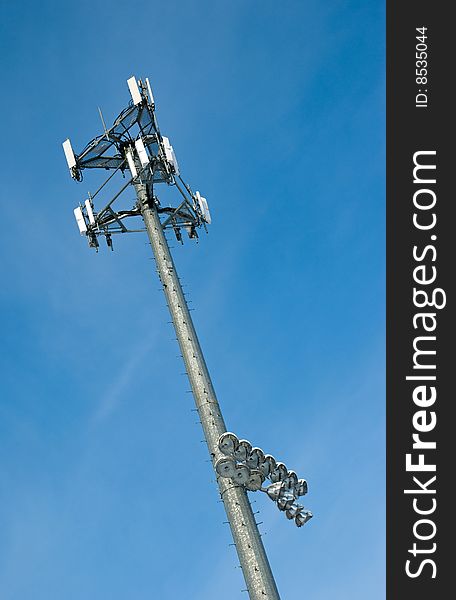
{"x": 421, "y": 257}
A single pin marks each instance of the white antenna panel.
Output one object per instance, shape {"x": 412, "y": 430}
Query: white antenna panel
{"x": 200, "y": 204}
{"x": 170, "y": 156}
{"x": 131, "y": 164}
{"x": 89, "y": 210}
{"x": 207, "y": 214}
{"x": 134, "y": 90}
{"x": 141, "y": 150}
{"x": 204, "y": 208}
{"x": 80, "y": 220}
{"x": 175, "y": 163}
{"x": 168, "y": 149}
{"x": 151, "y": 96}
{"x": 69, "y": 154}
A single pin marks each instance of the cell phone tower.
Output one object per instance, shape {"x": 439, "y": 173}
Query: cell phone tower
{"x": 134, "y": 147}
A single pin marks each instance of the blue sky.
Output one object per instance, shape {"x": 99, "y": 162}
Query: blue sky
{"x": 276, "y": 114}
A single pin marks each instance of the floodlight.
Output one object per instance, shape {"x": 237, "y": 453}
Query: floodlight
{"x": 69, "y": 154}
{"x": 242, "y": 474}
{"x": 285, "y": 500}
{"x": 141, "y": 150}
{"x": 89, "y": 210}
{"x": 290, "y": 481}
{"x": 228, "y": 443}
{"x": 80, "y": 220}
{"x": 134, "y": 90}
{"x": 131, "y": 163}
{"x": 273, "y": 490}
{"x": 242, "y": 451}
{"x": 301, "y": 487}
{"x": 302, "y": 517}
{"x": 226, "y": 467}
{"x": 151, "y": 96}
{"x": 255, "y": 481}
{"x": 279, "y": 473}
{"x": 268, "y": 465}
{"x": 255, "y": 458}
{"x": 293, "y": 511}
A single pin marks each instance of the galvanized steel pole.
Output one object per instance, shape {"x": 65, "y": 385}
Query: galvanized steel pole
{"x": 252, "y": 556}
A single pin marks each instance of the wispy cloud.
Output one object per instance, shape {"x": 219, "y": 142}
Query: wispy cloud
{"x": 115, "y": 392}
